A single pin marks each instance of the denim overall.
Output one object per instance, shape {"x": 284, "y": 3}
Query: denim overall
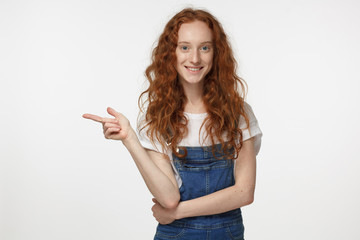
{"x": 203, "y": 174}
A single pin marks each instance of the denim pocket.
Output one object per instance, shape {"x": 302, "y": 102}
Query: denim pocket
{"x": 236, "y": 232}
{"x": 169, "y": 232}
{"x": 204, "y": 165}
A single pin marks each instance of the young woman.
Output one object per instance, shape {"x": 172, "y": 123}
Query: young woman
{"x": 198, "y": 139}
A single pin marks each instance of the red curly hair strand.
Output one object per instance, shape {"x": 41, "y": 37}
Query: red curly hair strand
{"x": 223, "y": 92}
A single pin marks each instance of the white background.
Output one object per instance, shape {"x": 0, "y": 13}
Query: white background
{"x": 60, "y": 179}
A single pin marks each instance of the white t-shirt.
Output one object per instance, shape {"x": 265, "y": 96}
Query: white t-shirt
{"x": 193, "y": 140}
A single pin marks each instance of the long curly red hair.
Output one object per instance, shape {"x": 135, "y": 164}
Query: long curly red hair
{"x": 223, "y": 92}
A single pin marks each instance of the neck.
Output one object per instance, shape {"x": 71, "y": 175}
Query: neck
{"x": 194, "y": 98}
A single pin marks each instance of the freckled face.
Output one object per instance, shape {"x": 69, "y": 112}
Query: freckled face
{"x": 194, "y": 53}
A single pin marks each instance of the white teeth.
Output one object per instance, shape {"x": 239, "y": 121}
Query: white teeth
{"x": 193, "y": 69}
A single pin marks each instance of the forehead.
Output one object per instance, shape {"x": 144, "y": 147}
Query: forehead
{"x": 194, "y": 31}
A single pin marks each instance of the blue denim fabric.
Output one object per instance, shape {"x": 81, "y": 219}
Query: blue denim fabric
{"x": 202, "y": 174}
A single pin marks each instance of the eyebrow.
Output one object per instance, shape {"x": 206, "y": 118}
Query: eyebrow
{"x": 200, "y": 43}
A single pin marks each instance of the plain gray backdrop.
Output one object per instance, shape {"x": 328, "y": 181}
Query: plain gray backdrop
{"x": 61, "y": 179}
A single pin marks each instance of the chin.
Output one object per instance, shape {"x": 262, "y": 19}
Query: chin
{"x": 192, "y": 80}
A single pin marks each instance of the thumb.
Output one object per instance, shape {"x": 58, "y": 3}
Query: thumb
{"x": 112, "y": 112}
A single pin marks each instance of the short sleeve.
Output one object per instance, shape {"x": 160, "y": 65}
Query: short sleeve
{"x": 254, "y": 128}
{"x": 143, "y": 137}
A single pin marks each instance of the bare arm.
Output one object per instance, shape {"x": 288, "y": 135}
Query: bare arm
{"x": 241, "y": 194}
{"x": 155, "y": 168}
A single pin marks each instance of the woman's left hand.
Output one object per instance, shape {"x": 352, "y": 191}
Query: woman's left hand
{"x": 161, "y": 214}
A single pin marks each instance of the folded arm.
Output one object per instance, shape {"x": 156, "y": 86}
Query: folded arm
{"x": 238, "y": 195}
{"x": 230, "y": 198}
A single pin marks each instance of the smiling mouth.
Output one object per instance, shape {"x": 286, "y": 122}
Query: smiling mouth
{"x": 194, "y": 69}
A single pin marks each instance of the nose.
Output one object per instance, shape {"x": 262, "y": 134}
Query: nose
{"x": 195, "y": 57}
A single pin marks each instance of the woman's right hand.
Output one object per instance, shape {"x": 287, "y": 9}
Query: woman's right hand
{"x": 117, "y": 128}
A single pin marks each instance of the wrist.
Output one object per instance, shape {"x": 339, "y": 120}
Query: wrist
{"x": 178, "y": 212}
{"x": 130, "y": 138}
